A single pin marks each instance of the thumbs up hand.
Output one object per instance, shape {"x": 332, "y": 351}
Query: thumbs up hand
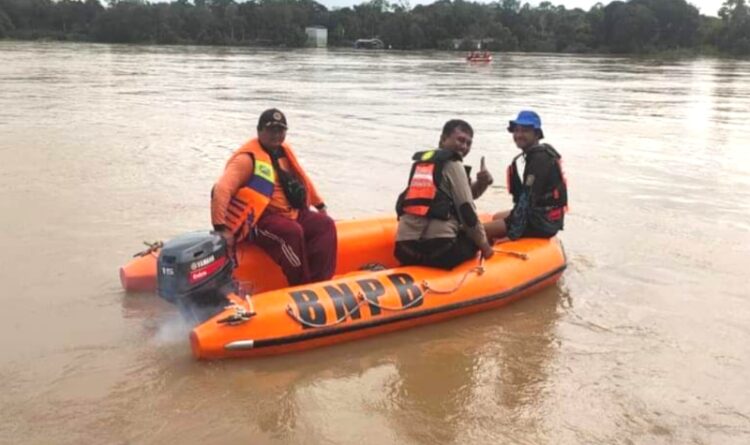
{"x": 484, "y": 177}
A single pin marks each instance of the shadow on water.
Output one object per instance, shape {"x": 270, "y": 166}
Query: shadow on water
{"x": 489, "y": 374}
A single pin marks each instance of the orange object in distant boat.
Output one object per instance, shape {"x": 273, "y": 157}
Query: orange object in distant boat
{"x": 476, "y": 56}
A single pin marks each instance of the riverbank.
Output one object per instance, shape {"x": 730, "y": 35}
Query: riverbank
{"x": 672, "y": 54}
{"x": 632, "y": 27}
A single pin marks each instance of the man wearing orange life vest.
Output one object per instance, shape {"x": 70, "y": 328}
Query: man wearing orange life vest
{"x": 539, "y": 189}
{"x": 438, "y": 224}
{"x": 265, "y": 196}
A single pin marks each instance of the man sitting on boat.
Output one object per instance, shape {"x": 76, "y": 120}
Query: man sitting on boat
{"x": 265, "y": 196}
{"x": 540, "y": 194}
{"x": 438, "y": 224}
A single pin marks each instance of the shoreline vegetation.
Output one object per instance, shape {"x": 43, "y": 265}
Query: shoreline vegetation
{"x": 670, "y": 27}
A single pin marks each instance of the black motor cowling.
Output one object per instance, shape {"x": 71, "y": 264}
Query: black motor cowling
{"x": 194, "y": 272}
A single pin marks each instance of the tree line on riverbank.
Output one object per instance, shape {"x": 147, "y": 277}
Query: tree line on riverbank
{"x": 635, "y": 26}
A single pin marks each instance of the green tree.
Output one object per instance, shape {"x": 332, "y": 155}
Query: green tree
{"x": 6, "y": 25}
{"x": 369, "y": 16}
{"x": 678, "y": 22}
{"x": 502, "y": 38}
{"x": 573, "y": 32}
{"x": 124, "y": 22}
{"x": 279, "y": 25}
{"x": 629, "y": 27}
{"x": 735, "y": 37}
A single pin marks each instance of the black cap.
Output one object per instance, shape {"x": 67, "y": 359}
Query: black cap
{"x": 272, "y": 118}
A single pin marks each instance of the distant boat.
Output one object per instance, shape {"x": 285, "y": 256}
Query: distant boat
{"x": 479, "y": 57}
{"x": 369, "y": 44}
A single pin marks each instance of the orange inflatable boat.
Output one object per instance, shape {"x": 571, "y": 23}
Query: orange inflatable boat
{"x": 267, "y": 317}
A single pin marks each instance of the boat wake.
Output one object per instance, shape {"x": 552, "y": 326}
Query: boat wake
{"x": 172, "y": 330}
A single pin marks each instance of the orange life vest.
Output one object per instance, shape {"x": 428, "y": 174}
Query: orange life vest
{"x": 423, "y": 196}
{"x": 251, "y": 200}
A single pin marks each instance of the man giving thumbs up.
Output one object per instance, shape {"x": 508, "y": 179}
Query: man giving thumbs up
{"x": 484, "y": 180}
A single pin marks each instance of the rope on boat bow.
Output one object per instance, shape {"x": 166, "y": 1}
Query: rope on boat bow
{"x": 519, "y": 255}
{"x": 152, "y": 247}
{"x": 392, "y": 308}
{"x": 361, "y": 299}
{"x": 478, "y": 269}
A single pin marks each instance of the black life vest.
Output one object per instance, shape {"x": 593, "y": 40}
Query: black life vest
{"x": 423, "y": 196}
{"x": 553, "y": 202}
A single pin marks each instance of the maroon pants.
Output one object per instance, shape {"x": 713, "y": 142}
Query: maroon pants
{"x": 305, "y": 249}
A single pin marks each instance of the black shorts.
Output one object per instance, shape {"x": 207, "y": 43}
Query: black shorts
{"x": 532, "y": 231}
{"x": 443, "y": 253}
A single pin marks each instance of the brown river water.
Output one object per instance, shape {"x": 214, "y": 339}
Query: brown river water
{"x": 645, "y": 339}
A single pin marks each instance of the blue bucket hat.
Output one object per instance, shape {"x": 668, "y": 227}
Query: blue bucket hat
{"x": 527, "y": 118}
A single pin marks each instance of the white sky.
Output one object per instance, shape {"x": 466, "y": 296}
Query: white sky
{"x": 706, "y": 7}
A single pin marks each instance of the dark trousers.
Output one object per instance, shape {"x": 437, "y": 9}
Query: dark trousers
{"x": 444, "y": 253}
{"x": 305, "y": 249}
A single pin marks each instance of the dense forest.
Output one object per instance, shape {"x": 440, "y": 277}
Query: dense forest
{"x": 634, "y": 26}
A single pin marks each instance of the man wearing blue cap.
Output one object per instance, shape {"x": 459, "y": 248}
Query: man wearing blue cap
{"x": 540, "y": 194}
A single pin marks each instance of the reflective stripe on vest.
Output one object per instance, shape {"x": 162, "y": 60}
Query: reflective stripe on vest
{"x": 421, "y": 191}
{"x": 423, "y": 196}
{"x": 251, "y": 200}
{"x": 263, "y": 178}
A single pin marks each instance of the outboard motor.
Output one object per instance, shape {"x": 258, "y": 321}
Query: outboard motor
{"x": 194, "y": 272}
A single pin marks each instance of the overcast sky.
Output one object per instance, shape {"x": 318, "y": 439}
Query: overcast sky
{"x": 706, "y": 7}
